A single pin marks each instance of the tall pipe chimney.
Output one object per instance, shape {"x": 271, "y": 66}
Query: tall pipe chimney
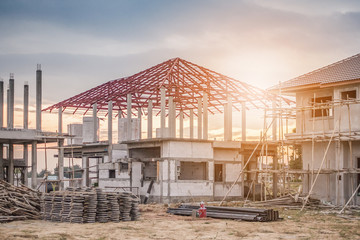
{"x": 38, "y": 97}
{"x": 11, "y": 100}
{"x": 26, "y": 105}
{"x": 1, "y": 103}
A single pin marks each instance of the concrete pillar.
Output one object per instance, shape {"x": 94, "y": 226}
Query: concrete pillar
{"x": 199, "y": 118}
{"x": 38, "y": 97}
{"x": 226, "y": 131}
{"x": 26, "y": 105}
{"x": 61, "y": 163}
{"x": 229, "y": 105}
{"x": 60, "y": 120}
{"x": 172, "y": 118}
{"x": 243, "y": 121}
{"x": 1, "y": 104}
{"x": 139, "y": 119}
{"x": 11, "y": 163}
{"x": 11, "y": 100}
{"x": 128, "y": 122}
{"x": 60, "y": 152}
{"x": 162, "y": 113}
{"x": 181, "y": 123}
{"x": 33, "y": 164}
{"x": 26, "y": 159}
{"x": 191, "y": 123}
{"x": 150, "y": 120}
{"x": 8, "y": 107}
{"x": 1, "y": 161}
{"x": 205, "y": 117}
{"x": 95, "y": 122}
{"x": 85, "y": 172}
{"x": 110, "y": 106}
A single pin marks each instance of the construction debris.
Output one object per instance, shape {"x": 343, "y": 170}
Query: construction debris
{"x": 89, "y": 206}
{"x": 18, "y": 203}
{"x": 288, "y": 201}
{"x": 244, "y": 214}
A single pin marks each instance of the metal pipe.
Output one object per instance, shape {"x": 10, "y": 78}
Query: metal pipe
{"x": 1, "y": 161}
{"x": 38, "y": 97}
{"x": 191, "y": 123}
{"x": 243, "y": 121}
{"x": 60, "y": 152}
{"x": 139, "y": 119}
{"x": 95, "y": 123}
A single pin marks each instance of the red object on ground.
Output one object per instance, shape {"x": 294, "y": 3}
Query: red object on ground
{"x": 202, "y": 210}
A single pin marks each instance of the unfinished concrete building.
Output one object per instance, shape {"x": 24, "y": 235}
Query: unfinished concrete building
{"x": 169, "y": 164}
{"x": 14, "y": 170}
{"x": 328, "y": 129}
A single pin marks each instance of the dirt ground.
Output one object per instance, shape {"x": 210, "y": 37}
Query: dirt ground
{"x": 155, "y": 223}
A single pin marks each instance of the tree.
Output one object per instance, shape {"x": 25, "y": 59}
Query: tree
{"x": 68, "y": 171}
{"x": 296, "y": 162}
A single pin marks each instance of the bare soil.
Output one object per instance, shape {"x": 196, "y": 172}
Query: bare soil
{"x": 155, "y": 223}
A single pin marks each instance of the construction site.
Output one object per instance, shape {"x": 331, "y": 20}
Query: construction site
{"x": 160, "y": 153}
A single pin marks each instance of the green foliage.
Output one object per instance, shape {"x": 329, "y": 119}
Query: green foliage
{"x": 296, "y": 162}
{"x": 67, "y": 172}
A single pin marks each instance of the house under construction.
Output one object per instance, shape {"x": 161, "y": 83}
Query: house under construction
{"x": 327, "y": 128}
{"x": 166, "y": 165}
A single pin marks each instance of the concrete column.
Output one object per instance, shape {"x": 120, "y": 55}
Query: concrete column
{"x": 199, "y": 118}
{"x": 95, "y": 122}
{"x": 61, "y": 163}
{"x": 1, "y": 104}
{"x": 38, "y": 97}
{"x": 11, "y": 100}
{"x": 162, "y": 113}
{"x": 181, "y": 123}
{"x": 110, "y": 106}
{"x": 150, "y": 120}
{"x": 226, "y": 131}
{"x": 85, "y": 172}
{"x": 205, "y": 117}
{"x": 60, "y": 152}
{"x": 26, "y": 105}
{"x": 128, "y": 122}
{"x": 1, "y": 161}
{"x": 60, "y": 120}
{"x": 11, "y": 163}
{"x": 26, "y": 159}
{"x": 243, "y": 121}
{"x": 191, "y": 123}
{"x": 8, "y": 107}
{"x": 34, "y": 164}
{"x": 139, "y": 119}
{"x": 172, "y": 118}
{"x": 229, "y": 105}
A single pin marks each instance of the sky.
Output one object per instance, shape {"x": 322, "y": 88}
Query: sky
{"x": 84, "y": 43}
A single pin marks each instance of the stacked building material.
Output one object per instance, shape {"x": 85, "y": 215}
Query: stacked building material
{"x": 125, "y": 202}
{"x": 89, "y": 206}
{"x": 135, "y": 211}
{"x": 113, "y": 207}
{"x": 102, "y": 207}
{"x": 18, "y": 203}
{"x": 244, "y": 214}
